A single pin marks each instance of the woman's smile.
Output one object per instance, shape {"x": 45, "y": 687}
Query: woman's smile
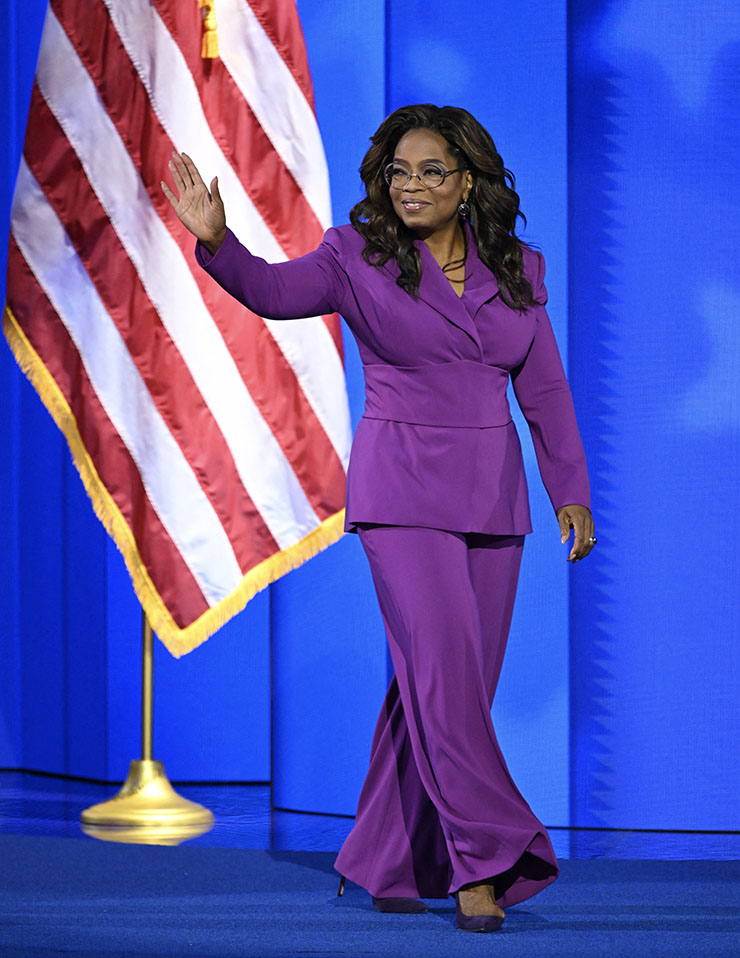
{"x": 413, "y": 206}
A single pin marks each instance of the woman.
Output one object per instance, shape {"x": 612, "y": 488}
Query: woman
{"x": 446, "y": 304}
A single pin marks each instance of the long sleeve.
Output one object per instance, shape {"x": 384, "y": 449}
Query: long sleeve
{"x": 312, "y": 285}
{"x": 545, "y": 399}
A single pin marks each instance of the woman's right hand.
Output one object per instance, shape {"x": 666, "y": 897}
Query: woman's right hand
{"x": 201, "y": 211}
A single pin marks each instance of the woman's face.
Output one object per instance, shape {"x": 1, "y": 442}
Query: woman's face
{"x": 428, "y": 211}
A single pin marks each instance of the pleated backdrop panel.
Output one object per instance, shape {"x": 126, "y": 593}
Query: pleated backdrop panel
{"x": 507, "y": 66}
{"x": 10, "y": 675}
{"x": 429, "y": 52}
{"x": 329, "y": 651}
{"x": 226, "y": 734}
{"x": 655, "y": 358}
{"x": 16, "y": 69}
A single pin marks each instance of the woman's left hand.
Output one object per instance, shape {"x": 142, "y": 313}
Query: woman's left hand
{"x": 580, "y": 520}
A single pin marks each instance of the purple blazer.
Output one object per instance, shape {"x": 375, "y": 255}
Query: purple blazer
{"x": 436, "y": 445}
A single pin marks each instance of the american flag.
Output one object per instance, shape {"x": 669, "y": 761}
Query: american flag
{"x": 213, "y": 443}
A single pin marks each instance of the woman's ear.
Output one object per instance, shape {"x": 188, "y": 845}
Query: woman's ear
{"x": 468, "y": 184}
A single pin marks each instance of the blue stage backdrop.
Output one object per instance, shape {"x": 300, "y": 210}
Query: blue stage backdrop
{"x": 618, "y": 703}
{"x": 654, "y": 131}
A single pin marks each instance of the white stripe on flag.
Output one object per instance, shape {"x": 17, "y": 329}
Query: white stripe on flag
{"x": 307, "y": 346}
{"x": 262, "y": 467}
{"x": 276, "y": 100}
{"x": 170, "y": 483}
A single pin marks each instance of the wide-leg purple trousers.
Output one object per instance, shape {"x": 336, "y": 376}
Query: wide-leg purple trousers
{"x": 439, "y": 808}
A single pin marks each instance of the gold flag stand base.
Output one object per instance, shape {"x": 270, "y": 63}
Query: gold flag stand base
{"x": 147, "y": 810}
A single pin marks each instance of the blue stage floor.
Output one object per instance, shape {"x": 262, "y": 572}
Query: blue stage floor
{"x": 260, "y": 884}
{"x": 39, "y": 805}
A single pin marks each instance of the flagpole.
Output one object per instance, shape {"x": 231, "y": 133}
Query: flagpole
{"x": 147, "y": 809}
{"x": 147, "y": 689}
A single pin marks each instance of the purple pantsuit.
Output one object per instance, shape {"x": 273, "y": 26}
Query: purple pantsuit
{"x": 438, "y": 807}
{"x": 437, "y": 492}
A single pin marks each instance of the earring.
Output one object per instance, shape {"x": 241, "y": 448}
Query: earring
{"x": 463, "y": 209}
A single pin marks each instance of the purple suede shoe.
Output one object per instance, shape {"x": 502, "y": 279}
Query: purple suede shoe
{"x": 399, "y": 906}
{"x": 395, "y": 906}
{"x": 475, "y": 922}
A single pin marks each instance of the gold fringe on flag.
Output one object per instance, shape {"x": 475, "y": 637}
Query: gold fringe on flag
{"x": 209, "y": 44}
{"x": 178, "y": 641}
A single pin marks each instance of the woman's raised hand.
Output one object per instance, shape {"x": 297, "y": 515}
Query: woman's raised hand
{"x": 201, "y": 211}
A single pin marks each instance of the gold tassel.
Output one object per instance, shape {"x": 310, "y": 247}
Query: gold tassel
{"x": 209, "y": 45}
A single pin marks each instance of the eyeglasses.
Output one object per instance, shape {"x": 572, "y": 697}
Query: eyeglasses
{"x": 431, "y": 176}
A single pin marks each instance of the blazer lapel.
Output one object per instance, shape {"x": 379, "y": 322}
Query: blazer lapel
{"x": 436, "y": 291}
{"x": 481, "y": 286}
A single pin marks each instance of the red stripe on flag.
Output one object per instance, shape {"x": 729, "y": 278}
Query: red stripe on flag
{"x": 105, "y": 448}
{"x": 62, "y": 178}
{"x": 262, "y": 365}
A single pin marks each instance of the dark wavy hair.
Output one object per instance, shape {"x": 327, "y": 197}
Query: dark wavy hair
{"x": 494, "y": 204}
